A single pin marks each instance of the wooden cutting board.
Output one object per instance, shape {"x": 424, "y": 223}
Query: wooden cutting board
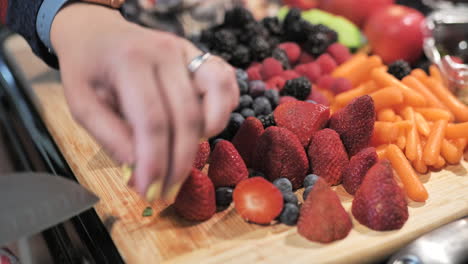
{"x": 226, "y": 238}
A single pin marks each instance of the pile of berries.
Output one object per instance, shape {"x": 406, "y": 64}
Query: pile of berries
{"x": 241, "y": 39}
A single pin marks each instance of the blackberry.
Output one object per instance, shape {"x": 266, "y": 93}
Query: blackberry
{"x": 224, "y": 40}
{"x": 292, "y": 26}
{"x": 238, "y": 17}
{"x": 330, "y": 33}
{"x": 290, "y": 214}
{"x": 223, "y": 196}
{"x": 259, "y": 49}
{"x": 222, "y": 54}
{"x": 274, "y": 41}
{"x": 240, "y": 57}
{"x": 206, "y": 37}
{"x": 254, "y": 173}
{"x": 281, "y": 56}
{"x": 267, "y": 121}
{"x": 283, "y": 184}
{"x": 273, "y": 25}
{"x": 299, "y": 88}
{"x": 316, "y": 44}
{"x": 247, "y": 112}
{"x": 252, "y": 30}
{"x": 262, "y": 106}
{"x": 399, "y": 69}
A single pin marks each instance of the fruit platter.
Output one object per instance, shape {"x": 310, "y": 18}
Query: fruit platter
{"x": 347, "y": 143}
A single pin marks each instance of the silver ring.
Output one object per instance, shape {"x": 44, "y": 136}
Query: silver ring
{"x": 198, "y": 61}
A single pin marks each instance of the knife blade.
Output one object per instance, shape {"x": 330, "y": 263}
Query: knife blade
{"x": 31, "y": 202}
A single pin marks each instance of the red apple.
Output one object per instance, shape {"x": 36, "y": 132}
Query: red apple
{"x": 302, "y": 4}
{"x": 396, "y": 32}
{"x": 355, "y": 10}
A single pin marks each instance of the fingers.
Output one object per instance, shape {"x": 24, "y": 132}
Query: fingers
{"x": 145, "y": 110}
{"x": 113, "y": 133}
{"x": 185, "y": 113}
{"x": 216, "y": 79}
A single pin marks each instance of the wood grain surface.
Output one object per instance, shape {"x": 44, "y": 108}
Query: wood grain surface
{"x": 226, "y": 238}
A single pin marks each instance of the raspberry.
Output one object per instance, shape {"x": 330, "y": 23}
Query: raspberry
{"x": 318, "y": 97}
{"x": 289, "y": 75}
{"x": 254, "y": 73}
{"x": 339, "y": 52}
{"x": 271, "y": 68}
{"x": 276, "y": 83}
{"x": 299, "y": 88}
{"x": 325, "y": 82}
{"x": 292, "y": 50}
{"x": 341, "y": 85}
{"x": 305, "y": 58}
{"x": 399, "y": 69}
{"x": 310, "y": 70}
{"x": 327, "y": 63}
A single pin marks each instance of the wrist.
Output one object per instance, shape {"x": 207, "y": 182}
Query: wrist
{"x": 78, "y": 22}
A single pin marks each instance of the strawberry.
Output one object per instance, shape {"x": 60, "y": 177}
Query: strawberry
{"x": 247, "y": 137}
{"x": 357, "y": 169}
{"x": 196, "y": 198}
{"x": 292, "y": 50}
{"x": 202, "y": 155}
{"x": 271, "y": 68}
{"x": 327, "y": 156}
{"x": 302, "y": 118}
{"x": 323, "y": 219}
{"x": 226, "y": 165}
{"x": 258, "y": 200}
{"x": 380, "y": 203}
{"x": 355, "y": 124}
{"x": 279, "y": 154}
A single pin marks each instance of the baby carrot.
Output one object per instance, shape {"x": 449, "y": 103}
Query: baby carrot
{"x": 419, "y": 74}
{"x": 343, "y": 99}
{"x": 434, "y": 114}
{"x": 421, "y": 124}
{"x": 350, "y": 66}
{"x": 432, "y": 148}
{"x": 461, "y": 144}
{"x": 411, "y": 183}
{"x": 401, "y": 141}
{"x": 450, "y": 152}
{"x": 440, "y": 163}
{"x": 386, "y": 114}
{"x": 381, "y": 151}
{"x": 398, "y": 118}
{"x": 415, "y": 84}
{"x": 435, "y": 73}
{"x": 384, "y": 132}
{"x": 384, "y": 79}
{"x": 420, "y": 166}
{"x": 459, "y": 130}
{"x": 459, "y": 110}
{"x": 387, "y": 97}
{"x": 411, "y": 135}
{"x": 361, "y": 74}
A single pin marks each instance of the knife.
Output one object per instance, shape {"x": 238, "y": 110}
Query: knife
{"x": 445, "y": 245}
{"x": 31, "y": 202}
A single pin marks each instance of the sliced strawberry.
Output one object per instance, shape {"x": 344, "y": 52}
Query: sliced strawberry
{"x": 196, "y": 199}
{"x": 258, "y": 200}
{"x": 302, "y": 118}
{"x": 227, "y": 168}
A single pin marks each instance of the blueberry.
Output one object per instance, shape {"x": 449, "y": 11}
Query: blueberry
{"x": 243, "y": 87}
{"x": 289, "y": 214}
{"x": 245, "y": 101}
{"x": 310, "y": 180}
{"x": 290, "y": 197}
{"x": 283, "y": 184}
{"x": 223, "y": 196}
{"x": 272, "y": 96}
{"x": 307, "y": 191}
{"x": 246, "y": 112}
{"x": 242, "y": 75}
{"x": 254, "y": 173}
{"x": 235, "y": 122}
{"x": 262, "y": 106}
{"x": 257, "y": 88}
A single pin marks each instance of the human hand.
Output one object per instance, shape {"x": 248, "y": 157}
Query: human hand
{"x": 130, "y": 88}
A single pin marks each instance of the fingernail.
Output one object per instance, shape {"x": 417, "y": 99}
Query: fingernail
{"x": 154, "y": 191}
{"x": 171, "y": 194}
{"x": 127, "y": 172}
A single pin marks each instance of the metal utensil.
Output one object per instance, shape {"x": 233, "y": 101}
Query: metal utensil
{"x": 445, "y": 245}
{"x": 31, "y": 202}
